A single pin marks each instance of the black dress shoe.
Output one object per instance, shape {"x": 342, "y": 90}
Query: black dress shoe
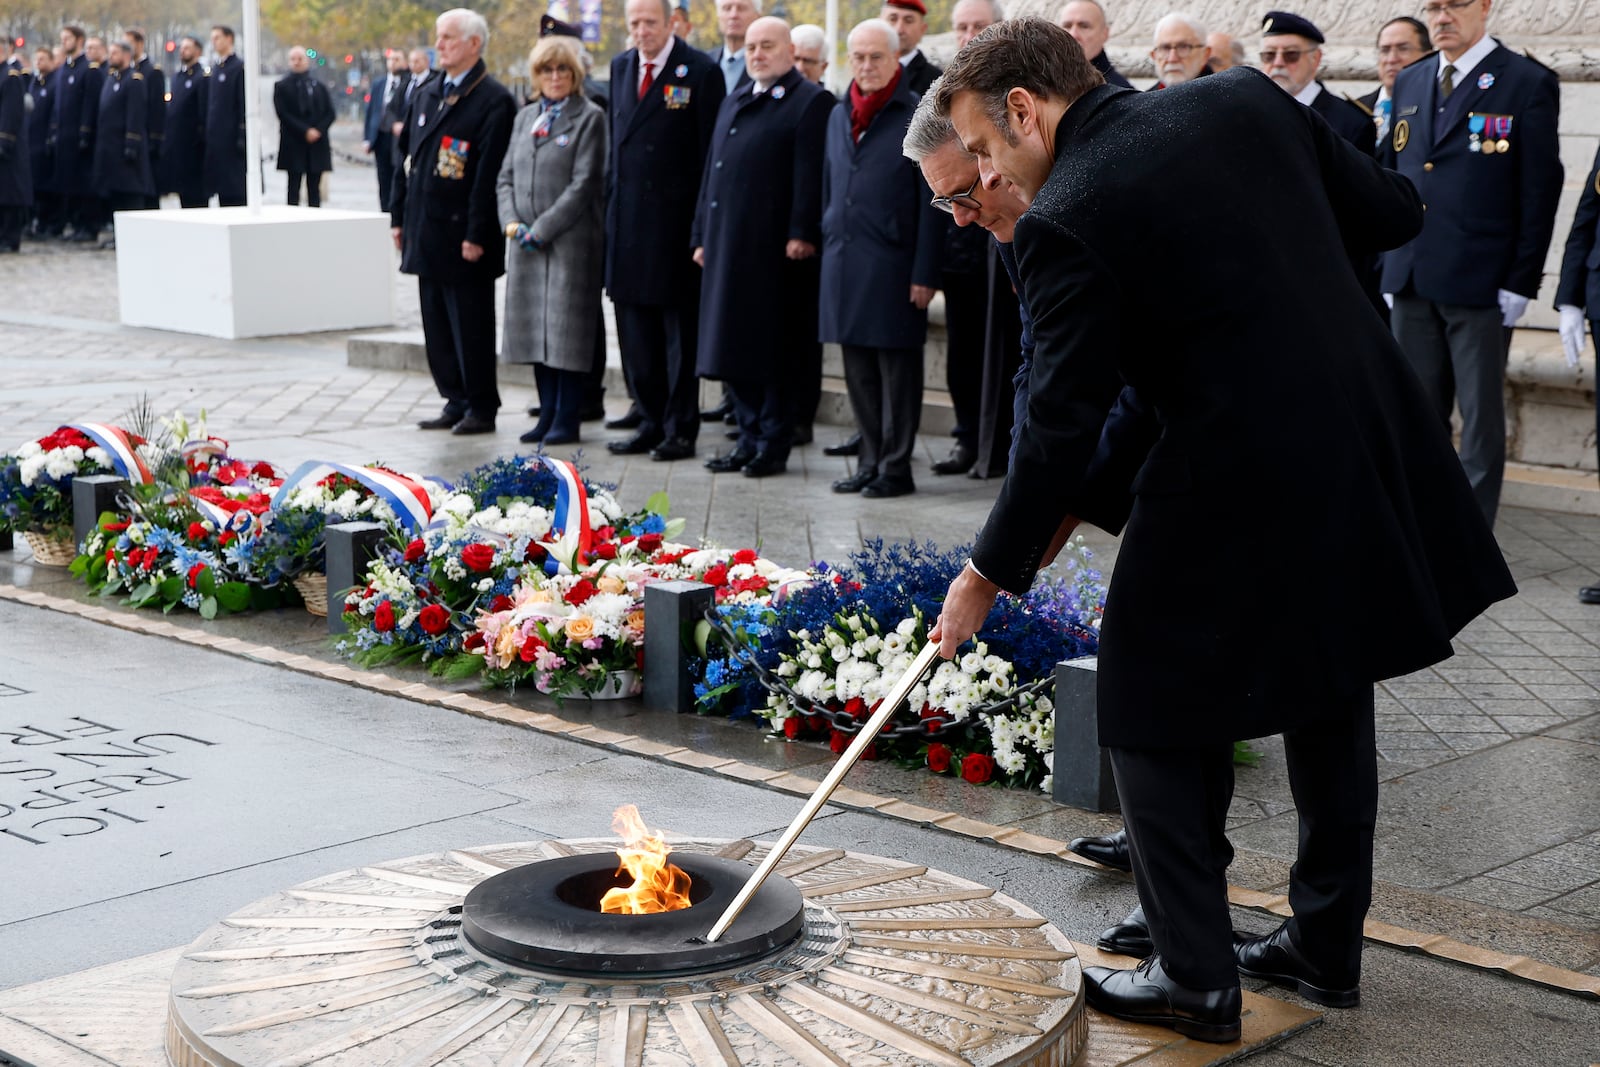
{"x": 888, "y": 486}
{"x": 959, "y": 461}
{"x": 534, "y": 411}
{"x": 1277, "y": 959}
{"x": 593, "y": 413}
{"x": 733, "y": 433}
{"x": 721, "y": 411}
{"x": 1130, "y": 937}
{"x": 1110, "y": 850}
{"x": 536, "y": 434}
{"x": 557, "y": 438}
{"x": 637, "y": 445}
{"x": 852, "y": 447}
{"x": 802, "y": 435}
{"x": 445, "y": 421}
{"x": 1147, "y": 995}
{"x": 472, "y": 424}
{"x": 673, "y": 448}
{"x": 855, "y": 483}
{"x": 730, "y": 462}
{"x": 631, "y": 421}
{"x": 765, "y": 466}
{"x": 1589, "y": 594}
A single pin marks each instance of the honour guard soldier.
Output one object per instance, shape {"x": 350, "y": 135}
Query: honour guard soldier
{"x": 1578, "y": 293}
{"x": 305, "y": 111}
{"x": 155, "y": 98}
{"x": 16, "y": 166}
{"x": 48, "y": 219}
{"x": 122, "y": 178}
{"x": 1475, "y": 131}
{"x": 77, "y": 92}
{"x": 910, "y": 21}
{"x": 183, "y": 152}
{"x": 225, "y": 164}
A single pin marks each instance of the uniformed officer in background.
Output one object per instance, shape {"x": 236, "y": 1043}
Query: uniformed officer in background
{"x": 183, "y": 154}
{"x": 225, "y": 166}
{"x": 48, "y": 219}
{"x": 1578, "y": 292}
{"x": 1401, "y": 42}
{"x": 155, "y": 100}
{"x": 122, "y": 180}
{"x": 16, "y": 167}
{"x": 77, "y": 93}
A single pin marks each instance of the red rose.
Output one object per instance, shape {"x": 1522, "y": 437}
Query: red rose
{"x": 475, "y": 640}
{"x": 111, "y": 555}
{"x": 383, "y": 618}
{"x": 226, "y": 537}
{"x": 753, "y": 584}
{"x": 152, "y": 554}
{"x": 838, "y": 742}
{"x": 977, "y": 768}
{"x": 478, "y": 557}
{"x": 500, "y": 603}
{"x": 415, "y": 550}
{"x": 580, "y": 592}
{"x": 814, "y": 721}
{"x": 264, "y": 470}
{"x": 434, "y": 620}
{"x": 717, "y": 575}
{"x": 745, "y": 555}
{"x": 791, "y": 727}
{"x": 535, "y": 552}
{"x": 114, "y": 527}
{"x": 606, "y": 550}
{"x": 194, "y": 572}
{"x": 870, "y": 752}
{"x": 258, "y": 503}
{"x": 196, "y": 531}
{"x": 605, "y": 533}
{"x": 856, "y": 707}
{"x": 530, "y": 649}
{"x": 209, "y": 493}
{"x": 938, "y": 758}
{"x": 649, "y": 542}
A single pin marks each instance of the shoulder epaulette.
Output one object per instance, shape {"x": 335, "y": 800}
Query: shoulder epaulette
{"x": 94, "y": 65}
{"x": 138, "y": 77}
{"x": 15, "y": 73}
{"x": 1359, "y": 104}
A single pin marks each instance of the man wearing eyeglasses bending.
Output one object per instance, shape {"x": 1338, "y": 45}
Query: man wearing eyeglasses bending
{"x": 1475, "y": 131}
{"x": 1180, "y": 51}
{"x": 1291, "y": 53}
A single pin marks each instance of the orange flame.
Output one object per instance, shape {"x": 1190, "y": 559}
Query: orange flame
{"x": 657, "y": 885}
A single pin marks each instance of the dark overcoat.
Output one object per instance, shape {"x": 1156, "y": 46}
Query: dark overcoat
{"x": 920, "y": 72}
{"x": 762, "y": 188}
{"x": 77, "y": 92}
{"x": 1355, "y": 548}
{"x": 41, "y": 151}
{"x": 880, "y": 235}
{"x": 1490, "y": 214}
{"x": 1580, "y": 261}
{"x": 121, "y": 153}
{"x": 444, "y": 192}
{"x": 1347, "y": 120}
{"x": 225, "y": 163}
{"x": 302, "y": 104}
{"x": 373, "y": 125}
{"x": 16, "y": 166}
{"x": 155, "y": 102}
{"x": 183, "y": 153}
{"x": 658, "y": 153}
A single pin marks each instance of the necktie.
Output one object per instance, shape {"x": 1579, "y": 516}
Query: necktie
{"x": 1447, "y": 84}
{"x": 647, "y": 80}
{"x": 388, "y": 92}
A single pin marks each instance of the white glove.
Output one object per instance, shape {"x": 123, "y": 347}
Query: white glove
{"x": 1512, "y": 307}
{"x": 1388, "y": 298}
{"x": 1571, "y": 332}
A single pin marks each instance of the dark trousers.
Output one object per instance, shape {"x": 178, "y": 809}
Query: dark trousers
{"x": 458, "y": 329}
{"x": 800, "y": 349}
{"x": 12, "y": 219}
{"x": 1175, "y": 806}
{"x": 313, "y": 180}
{"x": 594, "y": 385}
{"x": 765, "y": 418}
{"x": 49, "y": 214}
{"x": 560, "y": 399}
{"x": 1002, "y": 355}
{"x": 885, "y": 387}
{"x": 966, "y": 314}
{"x": 658, "y": 353}
{"x": 123, "y": 202}
{"x": 231, "y": 201}
{"x": 383, "y": 163}
{"x": 190, "y": 200}
{"x": 85, "y": 213}
{"x": 1460, "y": 355}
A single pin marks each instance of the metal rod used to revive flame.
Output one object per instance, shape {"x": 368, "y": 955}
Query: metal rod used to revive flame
{"x": 886, "y": 709}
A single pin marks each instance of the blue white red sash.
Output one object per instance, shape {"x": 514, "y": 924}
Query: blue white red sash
{"x": 571, "y": 517}
{"x": 406, "y": 497}
{"x": 114, "y": 440}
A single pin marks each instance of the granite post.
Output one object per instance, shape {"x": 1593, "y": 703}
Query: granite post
{"x": 91, "y": 495}
{"x": 671, "y": 610}
{"x": 349, "y": 547}
{"x": 1081, "y": 768}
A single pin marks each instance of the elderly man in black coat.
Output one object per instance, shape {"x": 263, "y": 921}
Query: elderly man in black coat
{"x": 305, "y": 111}
{"x": 77, "y": 96}
{"x": 225, "y": 162}
{"x": 183, "y": 154}
{"x": 122, "y": 178}
{"x": 446, "y": 219}
{"x": 1323, "y": 470}
{"x": 756, "y": 234}
{"x": 664, "y": 100}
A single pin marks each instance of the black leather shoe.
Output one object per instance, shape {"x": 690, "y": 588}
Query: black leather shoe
{"x": 637, "y": 445}
{"x": 765, "y": 466}
{"x": 802, "y": 435}
{"x": 472, "y": 424}
{"x": 959, "y": 461}
{"x": 855, "y": 483}
{"x": 852, "y": 447}
{"x": 593, "y": 413}
{"x": 1589, "y": 594}
{"x": 721, "y": 411}
{"x": 1276, "y": 959}
{"x": 1147, "y": 995}
{"x": 556, "y": 438}
{"x": 444, "y": 421}
{"x": 1130, "y": 937}
{"x": 673, "y": 448}
{"x": 730, "y": 462}
{"x": 531, "y": 436}
{"x": 1110, "y": 850}
{"x": 631, "y": 421}
{"x": 888, "y": 486}
{"x": 732, "y": 433}
{"x": 534, "y": 411}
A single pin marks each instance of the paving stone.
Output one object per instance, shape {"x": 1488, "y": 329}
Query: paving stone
{"x": 1542, "y": 871}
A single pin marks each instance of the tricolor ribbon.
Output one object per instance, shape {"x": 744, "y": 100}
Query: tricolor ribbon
{"x": 220, "y": 517}
{"x": 124, "y": 456}
{"x": 405, "y": 496}
{"x": 571, "y": 517}
{"x": 206, "y": 446}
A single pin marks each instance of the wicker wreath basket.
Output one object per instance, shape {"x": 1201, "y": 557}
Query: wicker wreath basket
{"x": 313, "y": 589}
{"x": 49, "y": 552}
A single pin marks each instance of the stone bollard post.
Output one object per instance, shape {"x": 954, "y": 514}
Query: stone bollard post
{"x": 349, "y": 547}
{"x": 1082, "y": 769}
{"x": 670, "y": 611}
{"x": 6, "y": 542}
{"x": 92, "y": 494}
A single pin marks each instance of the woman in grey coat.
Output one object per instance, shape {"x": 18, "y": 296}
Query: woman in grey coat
{"x": 552, "y": 204}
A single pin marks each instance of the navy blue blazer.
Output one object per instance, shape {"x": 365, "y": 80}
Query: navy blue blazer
{"x": 1580, "y": 263}
{"x": 121, "y": 147}
{"x": 373, "y": 126}
{"x": 183, "y": 153}
{"x": 42, "y": 88}
{"x": 225, "y": 163}
{"x": 1489, "y": 214}
{"x": 16, "y": 166}
{"x": 77, "y": 91}
{"x": 658, "y": 153}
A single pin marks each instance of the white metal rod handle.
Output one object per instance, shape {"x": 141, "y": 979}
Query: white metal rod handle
{"x": 890, "y": 705}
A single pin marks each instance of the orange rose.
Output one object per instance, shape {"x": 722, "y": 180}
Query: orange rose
{"x": 610, "y": 583}
{"x": 580, "y": 628}
{"x": 636, "y": 619}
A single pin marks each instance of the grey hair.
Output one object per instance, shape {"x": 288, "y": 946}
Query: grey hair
{"x": 997, "y": 13}
{"x": 470, "y": 23}
{"x": 808, "y": 35}
{"x": 878, "y": 26}
{"x": 929, "y": 131}
{"x": 1195, "y": 26}
{"x": 1103, "y": 16}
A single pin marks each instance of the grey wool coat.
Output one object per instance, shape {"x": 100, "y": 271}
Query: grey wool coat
{"x": 556, "y": 185}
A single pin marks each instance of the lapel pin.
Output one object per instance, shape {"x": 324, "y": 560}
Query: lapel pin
{"x": 777, "y": 92}
{"x": 1485, "y": 80}
{"x": 682, "y": 70}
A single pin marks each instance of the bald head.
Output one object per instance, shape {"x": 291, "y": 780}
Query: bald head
{"x": 768, "y": 51}
{"x": 298, "y": 60}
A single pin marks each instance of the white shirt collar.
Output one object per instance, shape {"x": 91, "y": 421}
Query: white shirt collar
{"x": 656, "y": 60}
{"x": 1383, "y": 94}
{"x": 1309, "y": 93}
{"x": 906, "y": 59}
{"x": 1469, "y": 59}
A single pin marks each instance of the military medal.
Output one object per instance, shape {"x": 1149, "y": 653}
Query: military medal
{"x": 1402, "y": 135}
{"x": 1475, "y": 123}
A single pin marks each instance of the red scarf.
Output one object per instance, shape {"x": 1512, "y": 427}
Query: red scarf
{"x": 864, "y": 108}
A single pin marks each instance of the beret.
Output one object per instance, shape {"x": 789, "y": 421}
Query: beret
{"x": 1285, "y": 22}
{"x": 910, "y": 5}
{"x": 554, "y": 27}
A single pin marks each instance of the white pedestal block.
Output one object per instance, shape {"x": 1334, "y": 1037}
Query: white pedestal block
{"x": 228, "y": 272}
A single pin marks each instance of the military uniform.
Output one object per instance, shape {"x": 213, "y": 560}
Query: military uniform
{"x": 225, "y": 165}
{"x": 183, "y": 152}
{"x": 48, "y": 213}
{"x": 77, "y": 93}
{"x": 121, "y": 152}
{"x": 16, "y": 171}
{"x": 155, "y": 125}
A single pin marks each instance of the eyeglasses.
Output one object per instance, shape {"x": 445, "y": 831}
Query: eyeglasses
{"x": 808, "y": 62}
{"x": 1430, "y": 11}
{"x": 1182, "y": 49}
{"x": 947, "y": 204}
{"x": 1291, "y": 56}
{"x": 550, "y": 68}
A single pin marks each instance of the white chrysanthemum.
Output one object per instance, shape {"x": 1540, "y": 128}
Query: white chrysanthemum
{"x": 907, "y": 627}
